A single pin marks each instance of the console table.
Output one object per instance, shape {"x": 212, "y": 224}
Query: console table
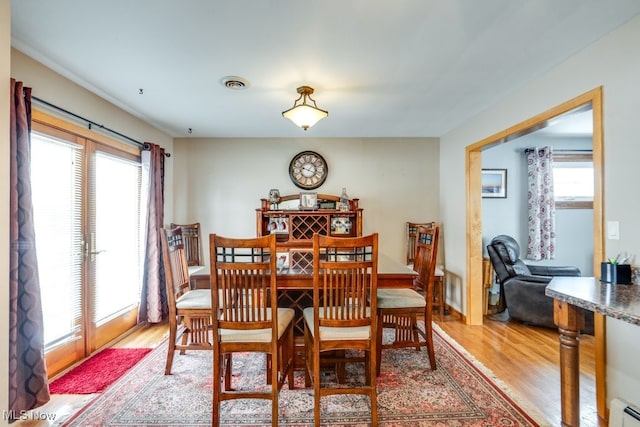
{"x": 573, "y": 295}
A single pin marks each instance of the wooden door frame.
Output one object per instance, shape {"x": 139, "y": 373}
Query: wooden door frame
{"x": 473, "y": 163}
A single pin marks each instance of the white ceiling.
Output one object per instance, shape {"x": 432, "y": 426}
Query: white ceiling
{"x": 382, "y": 68}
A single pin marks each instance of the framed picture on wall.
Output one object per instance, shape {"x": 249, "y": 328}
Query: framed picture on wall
{"x": 494, "y": 183}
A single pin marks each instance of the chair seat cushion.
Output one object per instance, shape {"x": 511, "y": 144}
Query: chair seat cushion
{"x": 198, "y": 299}
{"x": 328, "y": 333}
{"x": 400, "y": 298}
{"x": 285, "y": 317}
{"x": 438, "y": 271}
{"x": 197, "y": 269}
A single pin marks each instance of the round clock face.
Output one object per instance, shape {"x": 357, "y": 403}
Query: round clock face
{"x": 308, "y": 170}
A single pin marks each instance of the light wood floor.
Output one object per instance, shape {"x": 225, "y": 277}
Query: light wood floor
{"x": 525, "y": 358}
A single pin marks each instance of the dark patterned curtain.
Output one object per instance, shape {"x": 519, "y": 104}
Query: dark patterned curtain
{"x": 153, "y": 300}
{"x": 28, "y": 384}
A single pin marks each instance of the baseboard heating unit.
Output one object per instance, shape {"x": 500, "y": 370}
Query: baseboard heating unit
{"x": 622, "y": 414}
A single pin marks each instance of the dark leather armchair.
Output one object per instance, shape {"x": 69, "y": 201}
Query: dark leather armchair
{"x": 522, "y": 286}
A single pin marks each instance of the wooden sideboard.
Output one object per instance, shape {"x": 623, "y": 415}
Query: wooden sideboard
{"x": 294, "y": 227}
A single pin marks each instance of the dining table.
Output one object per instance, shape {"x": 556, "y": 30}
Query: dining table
{"x": 295, "y": 285}
{"x": 391, "y": 274}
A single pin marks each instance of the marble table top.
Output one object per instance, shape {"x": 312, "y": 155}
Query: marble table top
{"x": 614, "y": 300}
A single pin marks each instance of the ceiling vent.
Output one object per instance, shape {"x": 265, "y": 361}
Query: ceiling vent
{"x": 235, "y": 83}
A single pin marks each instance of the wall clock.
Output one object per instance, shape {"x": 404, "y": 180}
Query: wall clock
{"x": 308, "y": 170}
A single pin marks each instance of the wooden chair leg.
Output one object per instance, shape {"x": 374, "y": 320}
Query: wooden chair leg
{"x": 372, "y": 377}
{"x": 228, "y": 365}
{"x": 428, "y": 331}
{"x": 172, "y": 346}
{"x": 273, "y": 373}
{"x": 316, "y": 388}
{"x": 379, "y": 342}
{"x": 185, "y": 334}
{"x": 308, "y": 359}
{"x": 290, "y": 356}
{"x": 416, "y": 336}
{"x": 268, "y": 369}
{"x": 217, "y": 386}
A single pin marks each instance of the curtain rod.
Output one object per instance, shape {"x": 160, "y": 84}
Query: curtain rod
{"x": 528, "y": 150}
{"x": 143, "y": 145}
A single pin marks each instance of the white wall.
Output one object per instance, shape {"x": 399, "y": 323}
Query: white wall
{"x": 5, "y": 74}
{"x": 614, "y": 63}
{"x": 219, "y": 182}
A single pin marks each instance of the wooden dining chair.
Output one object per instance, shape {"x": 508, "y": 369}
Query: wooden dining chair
{"x": 343, "y": 316}
{"x": 243, "y": 291}
{"x": 439, "y": 296}
{"x": 192, "y": 243}
{"x": 189, "y": 310}
{"x": 411, "y": 233}
{"x": 400, "y": 308}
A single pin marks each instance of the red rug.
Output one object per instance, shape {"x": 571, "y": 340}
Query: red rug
{"x": 98, "y": 372}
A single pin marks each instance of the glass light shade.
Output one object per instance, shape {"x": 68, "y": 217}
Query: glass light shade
{"x": 305, "y": 115}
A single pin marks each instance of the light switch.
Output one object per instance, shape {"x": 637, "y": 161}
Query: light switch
{"x": 613, "y": 230}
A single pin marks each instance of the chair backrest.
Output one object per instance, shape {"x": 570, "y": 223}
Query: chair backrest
{"x": 243, "y": 282}
{"x": 504, "y": 253}
{"x": 412, "y": 230}
{"x": 175, "y": 266}
{"x": 191, "y": 241}
{"x": 426, "y": 256}
{"x": 345, "y": 277}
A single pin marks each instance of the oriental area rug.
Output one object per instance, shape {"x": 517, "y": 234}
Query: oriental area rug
{"x": 460, "y": 392}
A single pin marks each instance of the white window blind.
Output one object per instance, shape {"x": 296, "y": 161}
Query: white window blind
{"x": 56, "y": 179}
{"x": 117, "y": 244}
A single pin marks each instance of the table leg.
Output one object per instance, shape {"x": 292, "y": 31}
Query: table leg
{"x": 570, "y": 319}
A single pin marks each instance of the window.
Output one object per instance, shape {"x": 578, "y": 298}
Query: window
{"x": 573, "y": 180}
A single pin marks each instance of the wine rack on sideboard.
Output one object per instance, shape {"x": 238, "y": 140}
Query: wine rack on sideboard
{"x": 294, "y": 227}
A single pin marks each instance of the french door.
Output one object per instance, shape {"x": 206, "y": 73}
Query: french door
{"x": 87, "y": 215}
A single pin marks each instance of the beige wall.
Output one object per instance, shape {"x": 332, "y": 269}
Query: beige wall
{"x": 56, "y": 89}
{"x": 614, "y": 63}
{"x": 219, "y": 182}
{"x": 5, "y": 68}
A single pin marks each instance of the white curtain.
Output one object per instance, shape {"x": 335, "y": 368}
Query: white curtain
{"x": 541, "y": 204}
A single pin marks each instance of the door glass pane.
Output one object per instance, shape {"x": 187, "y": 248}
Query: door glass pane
{"x": 56, "y": 180}
{"x": 117, "y": 246}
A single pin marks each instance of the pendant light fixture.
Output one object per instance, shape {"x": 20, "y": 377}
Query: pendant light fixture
{"x": 304, "y": 114}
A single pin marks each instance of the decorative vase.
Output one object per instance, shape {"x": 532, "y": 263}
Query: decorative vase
{"x": 344, "y": 200}
{"x": 274, "y": 198}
